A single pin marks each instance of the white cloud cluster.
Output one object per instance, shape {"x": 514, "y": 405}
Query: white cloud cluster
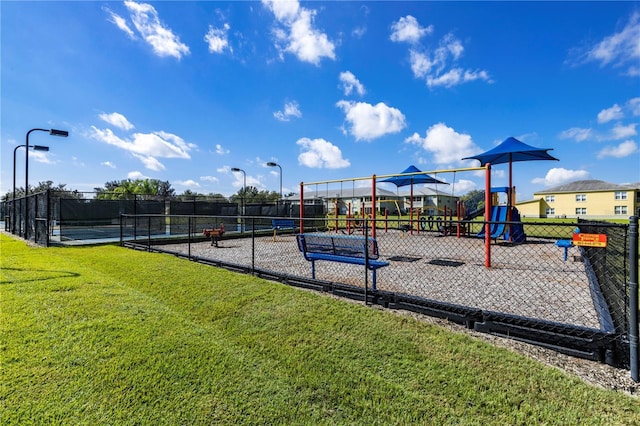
{"x": 447, "y": 146}
{"x": 218, "y": 39}
{"x": 620, "y": 49}
{"x": 622, "y": 150}
{"x": 147, "y": 147}
{"x": 291, "y": 109}
{"x": 319, "y": 153}
{"x": 559, "y": 175}
{"x": 576, "y": 133}
{"x": 368, "y": 122}
{"x": 116, "y": 119}
{"x": 608, "y": 114}
{"x": 220, "y": 150}
{"x": 617, "y": 132}
{"x": 350, "y": 83}
{"x": 145, "y": 20}
{"x": 408, "y": 30}
{"x": 438, "y": 67}
{"x": 297, "y": 34}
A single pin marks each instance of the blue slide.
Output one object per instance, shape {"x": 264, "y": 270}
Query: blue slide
{"x": 497, "y": 230}
{"x": 498, "y": 214}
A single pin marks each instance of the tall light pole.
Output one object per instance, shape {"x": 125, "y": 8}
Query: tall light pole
{"x": 13, "y": 202}
{"x": 244, "y": 184}
{"x": 52, "y": 132}
{"x": 272, "y": 164}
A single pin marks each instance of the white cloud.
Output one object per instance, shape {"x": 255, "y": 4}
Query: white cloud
{"x": 136, "y": 175}
{"x": 608, "y": 114}
{"x": 220, "y": 150}
{"x": 619, "y": 49}
{"x": 463, "y": 186}
{"x": 439, "y": 68}
{"x": 212, "y": 179}
{"x": 291, "y": 109}
{"x": 350, "y": 83}
{"x": 301, "y": 39}
{"x": 446, "y": 145}
{"x": 150, "y": 162}
{"x": 40, "y": 157}
{"x": 108, "y": 164}
{"x": 372, "y": 121}
{"x": 116, "y": 119}
{"x": 625, "y": 149}
{"x": 621, "y": 132}
{"x": 576, "y": 133}
{"x": 455, "y": 77}
{"x": 408, "y": 30}
{"x": 559, "y": 175}
{"x": 147, "y": 147}
{"x": 319, "y": 153}
{"x": 145, "y": 20}
{"x": 634, "y": 106}
{"x": 188, "y": 183}
{"x": 121, "y": 23}
{"x": 217, "y": 39}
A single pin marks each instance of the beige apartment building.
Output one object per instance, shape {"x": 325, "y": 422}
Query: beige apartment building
{"x": 592, "y": 199}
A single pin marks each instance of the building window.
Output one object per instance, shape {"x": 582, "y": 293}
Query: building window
{"x": 550, "y": 198}
{"x": 581, "y": 197}
{"x": 581, "y": 210}
{"x": 620, "y": 209}
{"x": 621, "y": 195}
{"x": 550, "y": 211}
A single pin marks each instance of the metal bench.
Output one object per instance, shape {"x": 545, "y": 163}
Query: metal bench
{"x": 342, "y": 249}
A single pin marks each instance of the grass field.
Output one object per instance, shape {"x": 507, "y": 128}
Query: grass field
{"x": 107, "y": 335}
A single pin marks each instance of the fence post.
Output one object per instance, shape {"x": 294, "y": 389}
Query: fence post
{"x": 253, "y": 245}
{"x": 633, "y": 297}
{"x": 189, "y": 237}
{"x": 365, "y": 223}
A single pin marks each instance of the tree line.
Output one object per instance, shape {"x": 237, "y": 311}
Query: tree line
{"x": 146, "y": 188}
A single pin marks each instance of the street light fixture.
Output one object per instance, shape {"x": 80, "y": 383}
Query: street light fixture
{"x": 272, "y": 164}
{"x": 52, "y": 132}
{"x": 13, "y": 201}
{"x": 244, "y": 184}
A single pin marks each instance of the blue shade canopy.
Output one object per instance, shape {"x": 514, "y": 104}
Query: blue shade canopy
{"x": 512, "y": 150}
{"x": 413, "y": 178}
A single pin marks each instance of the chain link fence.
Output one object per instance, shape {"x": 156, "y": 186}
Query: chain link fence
{"x": 544, "y": 290}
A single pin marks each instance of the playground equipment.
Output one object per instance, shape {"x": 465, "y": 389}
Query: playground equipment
{"x": 369, "y": 203}
{"x": 501, "y": 216}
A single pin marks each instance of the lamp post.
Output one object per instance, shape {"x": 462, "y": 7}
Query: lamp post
{"x": 13, "y": 202}
{"x": 244, "y": 184}
{"x": 52, "y": 132}
{"x": 272, "y": 164}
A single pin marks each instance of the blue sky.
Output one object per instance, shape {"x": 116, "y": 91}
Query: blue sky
{"x": 185, "y": 91}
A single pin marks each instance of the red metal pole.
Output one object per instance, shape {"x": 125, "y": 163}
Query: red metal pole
{"x": 302, "y": 207}
{"x": 373, "y": 205}
{"x": 349, "y": 219}
{"x": 386, "y": 219}
{"x": 487, "y": 216}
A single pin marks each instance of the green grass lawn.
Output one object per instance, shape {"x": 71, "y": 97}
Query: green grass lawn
{"x": 107, "y": 335}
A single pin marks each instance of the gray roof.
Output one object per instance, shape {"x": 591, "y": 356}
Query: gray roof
{"x": 589, "y": 186}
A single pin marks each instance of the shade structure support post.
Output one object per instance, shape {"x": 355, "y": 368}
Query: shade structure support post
{"x": 373, "y": 206}
{"x": 302, "y": 207}
{"x": 487, "y": 216}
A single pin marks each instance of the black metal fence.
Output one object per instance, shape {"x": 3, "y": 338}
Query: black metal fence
{"x": 47, "y": 216}
{"x": 546, "y": 290}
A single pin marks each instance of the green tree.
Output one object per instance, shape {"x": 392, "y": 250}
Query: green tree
{"x": 56, "y": 190}
{"x": 144, "y": 188}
